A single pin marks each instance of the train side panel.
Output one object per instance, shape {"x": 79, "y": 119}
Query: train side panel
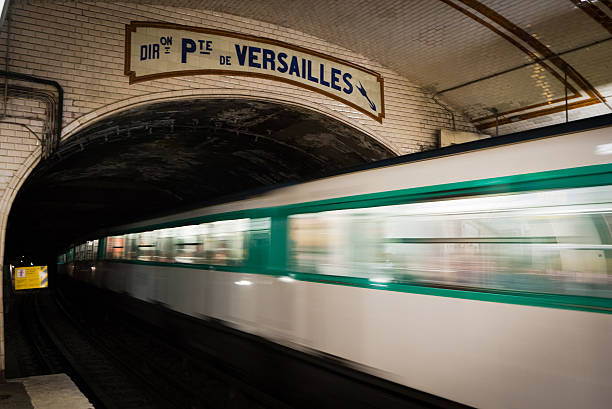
{"x": 480, "y": 353}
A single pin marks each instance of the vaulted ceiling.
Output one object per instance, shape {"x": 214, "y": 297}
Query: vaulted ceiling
{"x": 481, "y": 56}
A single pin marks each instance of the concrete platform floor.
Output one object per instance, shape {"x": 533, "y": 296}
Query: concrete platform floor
{"x": 42, "y": 392}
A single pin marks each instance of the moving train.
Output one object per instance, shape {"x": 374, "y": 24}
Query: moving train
{"x": 481, "y": 274}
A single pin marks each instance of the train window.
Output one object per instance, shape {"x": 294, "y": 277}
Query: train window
{"x": 88, "y": 250}
{"x": 189, "y": 243}
{"x": 548, "y": 241}
{"x": 165, "y": 249}
{"x": 94, "y": 250}
{"x": 315, "y": 243}
{"x": 217, "y": 243}
{"x": 81, "y": 252}
{"x": 146, "y": 246}
{"x": 131, "y": 246}
{"x": 114, "y": 247}
{"x": 224, "y": 243}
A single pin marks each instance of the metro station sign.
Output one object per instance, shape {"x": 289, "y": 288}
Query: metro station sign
{"x": 160, "y": 50}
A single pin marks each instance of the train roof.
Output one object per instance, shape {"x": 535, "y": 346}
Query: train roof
{"x": 516, "y": 137}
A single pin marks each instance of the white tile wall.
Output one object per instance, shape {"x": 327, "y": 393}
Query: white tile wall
{"x": 80, "y": 45}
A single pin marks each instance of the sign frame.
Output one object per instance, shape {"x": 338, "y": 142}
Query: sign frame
{"x": 133, "y": 78}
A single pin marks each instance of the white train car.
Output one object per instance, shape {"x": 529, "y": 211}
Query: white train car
{"x": 483, "y": 277}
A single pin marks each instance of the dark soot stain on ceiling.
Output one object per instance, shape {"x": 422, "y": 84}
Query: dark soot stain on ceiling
{"x": 156, "y": 158}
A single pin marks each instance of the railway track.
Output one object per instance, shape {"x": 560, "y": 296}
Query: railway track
{"x": 106, "y": 382}
{"x": 45, "y": 353}
{"x": 29, "y": 351}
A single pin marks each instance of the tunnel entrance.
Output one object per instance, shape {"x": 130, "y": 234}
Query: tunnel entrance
{"x": 165, "y": 156}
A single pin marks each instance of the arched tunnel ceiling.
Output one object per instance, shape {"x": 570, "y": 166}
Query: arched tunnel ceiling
{"x": 478, "y": 55}
{"x": 153, "y": 158}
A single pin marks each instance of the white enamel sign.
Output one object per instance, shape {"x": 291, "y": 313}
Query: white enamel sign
{"x": 158, "y": 50}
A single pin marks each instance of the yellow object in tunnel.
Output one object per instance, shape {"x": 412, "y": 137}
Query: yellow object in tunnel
{"x": 31, "y": 277}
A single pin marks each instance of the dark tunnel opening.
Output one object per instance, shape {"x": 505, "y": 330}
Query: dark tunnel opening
{"x": 167, "y": 156}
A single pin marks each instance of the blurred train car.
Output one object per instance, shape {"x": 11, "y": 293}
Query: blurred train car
{"x": 483, "y": 277}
